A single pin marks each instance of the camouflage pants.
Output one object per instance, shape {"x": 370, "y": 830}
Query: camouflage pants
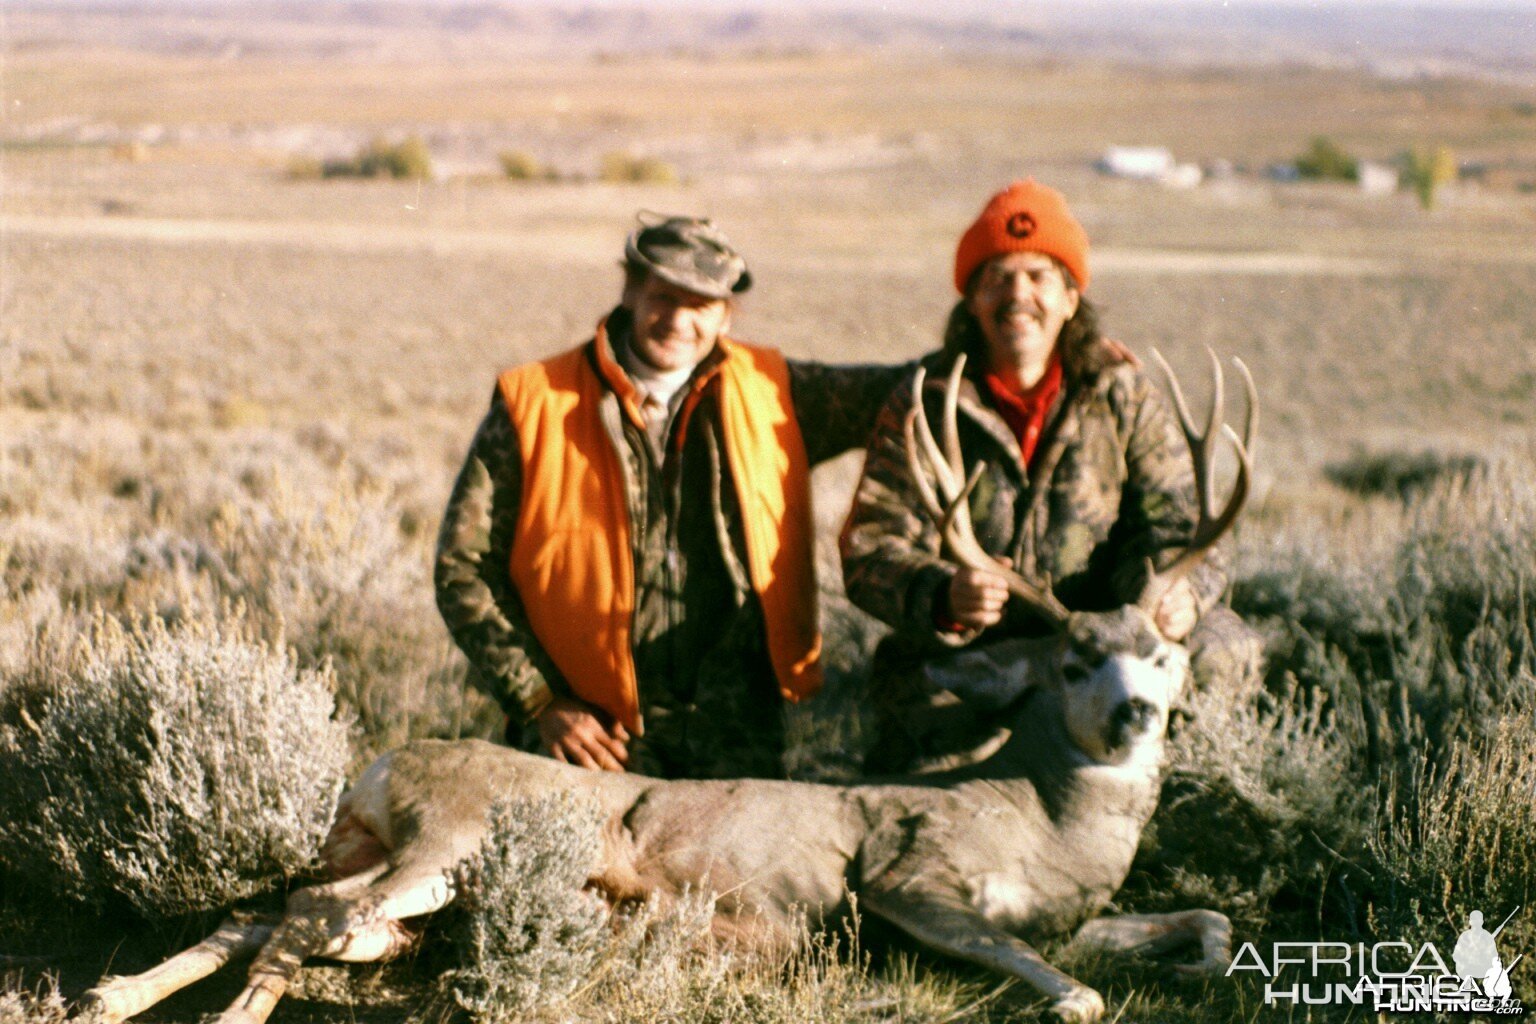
{"x": 919, "y": 728}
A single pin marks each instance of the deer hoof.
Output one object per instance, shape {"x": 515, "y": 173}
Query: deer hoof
{"x": 1084, "y": 1006}
{"x": 103, "y": 1004}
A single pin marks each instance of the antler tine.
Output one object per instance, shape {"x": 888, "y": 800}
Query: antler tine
{"x": 949, "y": 501}
{"x": 951, "y": 417}
{"x": 948, "y": 478}
{"x": 1212, "y": 525}
{"x": 1251, "y": 393}
{"x": 955, "y": 533}
{"x": 1217, "y": 415}
{"x": 1201, "y": 444}
{"x": 915, "y": 466}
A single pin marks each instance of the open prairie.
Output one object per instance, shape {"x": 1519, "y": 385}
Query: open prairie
{"x": 235, "y": 396}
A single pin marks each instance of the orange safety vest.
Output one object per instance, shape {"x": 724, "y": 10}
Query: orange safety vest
{"x": 571, "y": 559}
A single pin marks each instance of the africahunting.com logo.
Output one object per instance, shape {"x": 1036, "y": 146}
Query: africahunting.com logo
{"x": 1390, "y": 977}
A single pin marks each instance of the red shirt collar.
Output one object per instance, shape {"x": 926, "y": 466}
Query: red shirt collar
{"x": 1024, "y": 409}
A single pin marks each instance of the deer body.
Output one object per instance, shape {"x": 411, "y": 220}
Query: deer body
{"x": 1036, "y": 840}
{"x": 974, "y": 863}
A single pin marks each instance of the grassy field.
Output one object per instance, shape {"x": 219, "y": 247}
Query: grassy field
{"x": 234, "y": 402}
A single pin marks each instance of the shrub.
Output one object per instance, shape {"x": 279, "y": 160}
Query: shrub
{"x": 622, "y": 168}
{"x": 1275, "y": 778}
{"x": 177, "y": 769}
{"x": 520, "y": 165}
{"x": 382, "y": 159}
{"x": 1425, "y": 170}
{"x": 1350, "y": 789}
{"x": 305, "y": 168}
{"x": 1401, "y": 475}
{"x": 1464, "y": 839}
{"x": 1324, "y": 160}
{"x": 42, "y": 1005}
{"x": 526, "y": 931}
{"x": 1419, "y": 618}
{"x": 322, "y": 555}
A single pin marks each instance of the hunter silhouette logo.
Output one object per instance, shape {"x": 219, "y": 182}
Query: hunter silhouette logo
{"x": 1021, "y": 225}
{"x": 1477, "y": 957}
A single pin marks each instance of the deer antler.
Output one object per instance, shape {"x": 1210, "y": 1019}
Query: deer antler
{"x": 949, "y": 505}
{"x": 1212, "y": 525}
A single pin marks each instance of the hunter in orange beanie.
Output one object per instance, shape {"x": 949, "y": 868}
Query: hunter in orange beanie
{"x": 1073, "y": 474}
{"x": 1024, "y": 217}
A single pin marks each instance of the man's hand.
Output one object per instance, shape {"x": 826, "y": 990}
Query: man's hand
{"x": 976, "y": 598}
{"x": 1177, "y": 612}
{"x": 573, "y": 731}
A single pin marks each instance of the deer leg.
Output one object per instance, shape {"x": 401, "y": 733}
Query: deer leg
{"x": 1160, "y": 933}
{"x": 953, "y": 928}
{"x": 315, "y": 921}
{"x": 357, "y": 919}
{"x": 276, "y": 964}
{"x": 117, "y": 999}
{"x": 375, "y": 928}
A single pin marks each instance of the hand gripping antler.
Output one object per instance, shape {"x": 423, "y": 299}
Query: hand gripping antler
{"x": 1212, "y": 525}
{"x": 949, "y": 505}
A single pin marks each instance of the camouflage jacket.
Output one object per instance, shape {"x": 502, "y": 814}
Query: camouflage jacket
{"x": 1111, "y": 485}
{"x": 697, "y": 623}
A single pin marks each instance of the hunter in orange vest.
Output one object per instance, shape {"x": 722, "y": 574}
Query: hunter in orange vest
{"x": 627, "y": 557}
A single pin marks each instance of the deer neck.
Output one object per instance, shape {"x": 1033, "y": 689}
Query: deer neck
{"x": 1070, "y": 810}
{"x": 1040, "y": 764}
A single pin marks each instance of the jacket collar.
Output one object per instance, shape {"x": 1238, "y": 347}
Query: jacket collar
{"x": 614, "y": 329}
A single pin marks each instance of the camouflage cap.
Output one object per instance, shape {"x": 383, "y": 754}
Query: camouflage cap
{"x": 689, "y": 252}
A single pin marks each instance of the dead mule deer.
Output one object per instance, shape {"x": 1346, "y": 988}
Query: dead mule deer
{"x": 1030, "y": 843}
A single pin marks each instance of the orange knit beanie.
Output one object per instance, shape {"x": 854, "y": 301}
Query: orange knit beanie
{"x": 1024, "y": 217}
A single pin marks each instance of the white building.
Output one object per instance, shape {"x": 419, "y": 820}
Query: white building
{"x": 1144, "y": 163}
{"x": 1376, "y": 179}
{"x": 1149, "y": 163}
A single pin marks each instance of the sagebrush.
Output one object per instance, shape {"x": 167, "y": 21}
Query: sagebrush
{"x": 178, "y": 769}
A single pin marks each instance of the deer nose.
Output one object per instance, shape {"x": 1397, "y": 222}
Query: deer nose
{"x": 1133, "y": 715}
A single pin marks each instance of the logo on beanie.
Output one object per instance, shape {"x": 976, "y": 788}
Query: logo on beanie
{"x": 1021, "y": 225}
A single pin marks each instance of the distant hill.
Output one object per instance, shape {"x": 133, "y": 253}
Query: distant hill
{"x": 1398, "y": 39}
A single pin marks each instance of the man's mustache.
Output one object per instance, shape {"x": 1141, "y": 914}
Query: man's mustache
{"x": 667, "y": 337}
{"x": 1011, "y": 309}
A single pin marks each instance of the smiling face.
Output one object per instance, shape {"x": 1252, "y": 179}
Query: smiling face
{"x": 1119, "y": 679}
{"x": 1021, "y": 300}
{"x": 674, "y": 328}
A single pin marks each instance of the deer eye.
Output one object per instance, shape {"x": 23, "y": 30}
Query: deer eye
{"x": 1074, "y": 672}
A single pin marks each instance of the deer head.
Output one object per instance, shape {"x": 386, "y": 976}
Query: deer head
{"x": 1117, "y": 676}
